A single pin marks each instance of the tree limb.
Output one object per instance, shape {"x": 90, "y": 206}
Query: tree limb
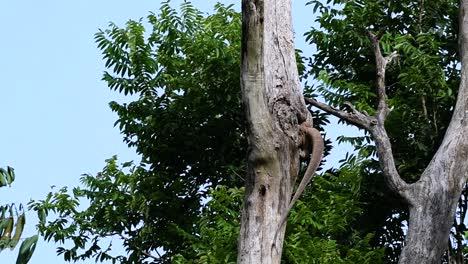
{"x": 379, "y": 134}
{"x": 381, "y": 65}
{"x": 375, "y": 124}
{"x": 361, "y": 120}
{"x": 146, "y": 254}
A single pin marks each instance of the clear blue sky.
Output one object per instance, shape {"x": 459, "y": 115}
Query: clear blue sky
{"x": 54, "y": 114}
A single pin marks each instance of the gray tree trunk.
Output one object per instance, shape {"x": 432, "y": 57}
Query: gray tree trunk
{"x": 275, "y": 108}
{"x": 433, "y": 199}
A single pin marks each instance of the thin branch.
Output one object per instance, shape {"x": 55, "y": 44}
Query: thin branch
{"x": 379, "y": 134}
{"x": 150, "y": 256}
{"x": 353, "y": 116}
{"x": 238, "y": 175}
{"x": 375, "y": 124}
{"x": 387, "y": 162}
{"x": 381, "y": 65}
{"x": 423, "y": 103}
{"x": 421, "y": 13}
{"x": 390, "y": 57}
{"x": 384, "y": 148}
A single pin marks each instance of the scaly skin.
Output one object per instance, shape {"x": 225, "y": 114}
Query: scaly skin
{"x": 314, "y": 137}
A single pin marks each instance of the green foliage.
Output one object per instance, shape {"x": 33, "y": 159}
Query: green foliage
{"x": 322, "y": 222}
{"x": 218, "y": 229}
{"x": 320, "y": 228}
{"x": 114, "y": 200}
{"x": 27, "y": 249}
{"x": 7, "y": 176}
{"x": 116, "y": 210}
{"x": 182, "y": 71}
{"x": 186, "y": 122}
{"x": 422, "y": 82}
{"x": 12, "y": 221}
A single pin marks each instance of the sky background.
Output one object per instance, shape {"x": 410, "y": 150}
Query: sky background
{"x": 54, "y": 114}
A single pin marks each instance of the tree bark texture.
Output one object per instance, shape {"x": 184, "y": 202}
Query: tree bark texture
{"x": 433, "y": 198}
{"x": 275, "y": 108}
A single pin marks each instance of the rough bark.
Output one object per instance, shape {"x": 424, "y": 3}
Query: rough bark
{"x": 275, "y": 108}
{"x": 433, "y": 198}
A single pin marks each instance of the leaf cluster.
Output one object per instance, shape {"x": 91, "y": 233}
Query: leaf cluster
{"x": 324, "y": 226}
{"x": 116, "y": 210}
{"x": 186, "y": 121}
{"x": 12, "y": 221}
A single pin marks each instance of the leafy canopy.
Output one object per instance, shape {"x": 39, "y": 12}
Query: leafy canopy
{"x": 181, "y": 71}
{"x": 12, "y": 221}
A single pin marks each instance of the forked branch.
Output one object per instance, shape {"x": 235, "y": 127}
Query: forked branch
{"x": 381, "y": 63}
{"x": 374, "y": 124}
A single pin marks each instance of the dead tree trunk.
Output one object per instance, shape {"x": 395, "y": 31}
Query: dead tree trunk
{"x": 277, "y": 118}
{"x": 433, "y": 198}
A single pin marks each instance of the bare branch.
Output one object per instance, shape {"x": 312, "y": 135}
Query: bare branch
{"x": 353, "y": 116}
{"x": 381, "y": 65}
{"x": 379, "y": 134}
{"x": 387, "y": 162}
{"x": 390, "y": 57}
{"x": 384, "y": 148}
{"x": 150, "y": 256}
{"x": 375, "y": 124}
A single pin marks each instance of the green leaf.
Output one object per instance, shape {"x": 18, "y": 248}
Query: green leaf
{"x": 26, "y": 249}
{"x": 18, "y": 230}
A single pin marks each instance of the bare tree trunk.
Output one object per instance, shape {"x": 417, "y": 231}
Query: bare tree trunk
{"x": 275, "y": 108}
{"x": 433, "y": 198}
{"x": 431, "y": 217}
